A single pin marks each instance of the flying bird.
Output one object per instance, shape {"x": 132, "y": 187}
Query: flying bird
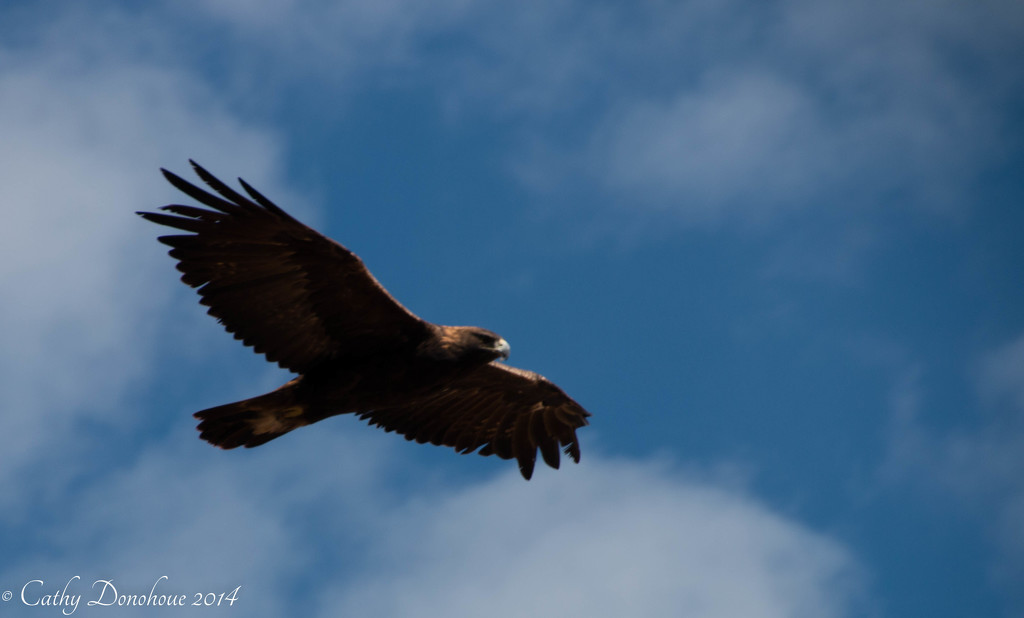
{"x": 310, "y": 305}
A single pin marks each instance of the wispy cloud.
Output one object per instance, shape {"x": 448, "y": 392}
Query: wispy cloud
{"x": 600, "y": 539}
{"x": 827, "y": 106}
{"x": 734, "y": 143}
{"x": 606, "y": 539}
{"x": 1001, "y": 374}
{"x": 707, "y": 111}
{"x": 978, "y": 461}
{"x": 83, "y": 140}
{"x": 993, "y": 458}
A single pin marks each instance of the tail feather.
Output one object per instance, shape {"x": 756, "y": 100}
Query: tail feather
{"x": 251, "y": 422}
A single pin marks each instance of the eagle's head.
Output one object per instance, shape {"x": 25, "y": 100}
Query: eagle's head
{"x": 489, "y": 343}
{"x": 466, "y": 344}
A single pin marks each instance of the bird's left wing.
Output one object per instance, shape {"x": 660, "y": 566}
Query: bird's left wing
{"x": 498, "y": 409}
{"x": 281, "y": 287}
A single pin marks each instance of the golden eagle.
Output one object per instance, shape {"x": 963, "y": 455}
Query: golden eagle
{"x": 310, "y": 305}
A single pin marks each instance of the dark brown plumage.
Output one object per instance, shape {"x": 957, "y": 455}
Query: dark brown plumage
{"x": 310, "y": 305}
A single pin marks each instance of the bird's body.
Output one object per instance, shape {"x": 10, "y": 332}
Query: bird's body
{"x": 310, "y": 305}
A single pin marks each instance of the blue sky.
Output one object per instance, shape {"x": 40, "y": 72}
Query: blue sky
{"x": 773, "y": 247}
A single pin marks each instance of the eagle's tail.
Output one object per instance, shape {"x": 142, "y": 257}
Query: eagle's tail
{"x": 252, "y": 422}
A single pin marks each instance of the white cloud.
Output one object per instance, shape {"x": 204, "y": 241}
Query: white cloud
{"x": 707, "y": 111}
{"x": 1001, "y": 373}
{"x": 984, "y": 454}
{"x": 210, "y": 520}
{"x": 738, "y": 142}
{"x": 309, "y": 526}
{"x": 83, "y": 138}
{"x": 992, "y": 459}
{"x": 978, "y": 462}
{"x": 282, "y": 39}
{"x": 603, "y": 539}
{"x": 822, "y": 104}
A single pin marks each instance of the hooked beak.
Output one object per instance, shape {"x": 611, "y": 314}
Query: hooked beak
{"x": 502, "y": 348}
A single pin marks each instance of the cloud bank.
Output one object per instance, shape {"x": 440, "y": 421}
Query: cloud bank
{"x": 611, "y": 538}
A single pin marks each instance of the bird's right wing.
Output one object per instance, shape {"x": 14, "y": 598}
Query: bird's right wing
{"x": 498, "y": 409}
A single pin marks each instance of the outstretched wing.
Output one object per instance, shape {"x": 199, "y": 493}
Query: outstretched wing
{"x": 499, "y": 409}
{"x": 279, "y": 286}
